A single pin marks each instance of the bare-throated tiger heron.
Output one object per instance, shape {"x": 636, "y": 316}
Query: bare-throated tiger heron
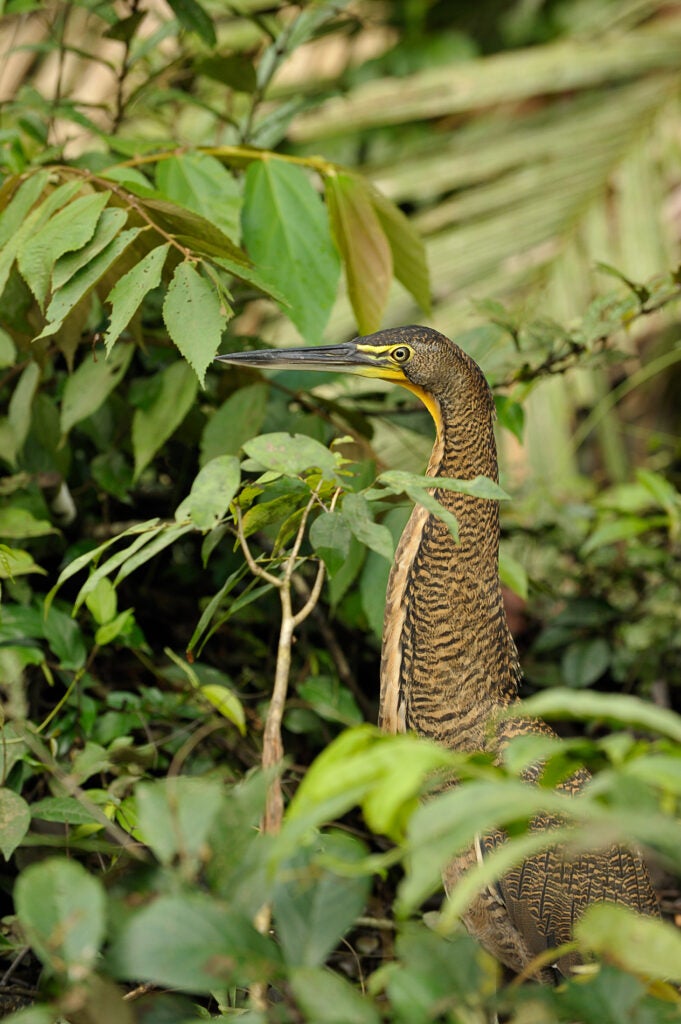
{"x": 449, "y": 663}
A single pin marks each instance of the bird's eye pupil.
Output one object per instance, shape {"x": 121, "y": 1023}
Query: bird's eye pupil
{"x": 401, "y": 354}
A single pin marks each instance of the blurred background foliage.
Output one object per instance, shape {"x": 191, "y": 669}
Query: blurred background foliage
{"x": 534, "y": 148}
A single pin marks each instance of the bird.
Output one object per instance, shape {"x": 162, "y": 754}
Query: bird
{"x": 449, "y": 664}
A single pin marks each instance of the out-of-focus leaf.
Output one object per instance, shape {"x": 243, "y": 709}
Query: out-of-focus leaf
{"x": 153, "y": 425}
{"x": 327, "y": 998}
{"x": 363, "y": 244}
{"x": 15, "y": 817}
{"x": 192, "y": 16}
{"x": 17, "y": 522}
{"x": 90, "y": 385}
{"x": 238, "y": 419}
{"x": 195, "y": 317}
{"x": 286, "y": 232}
{"x": 227, "y": 703}
{"x": 585, "y": 661}
{"x": 512, "y": 573}
{"x": 61, "y": 908}
{"x": 642, "y": 945}
{"x": 407, "y": 247}
{"x": 176, "y": 814}
{"x": 615, "y": 709}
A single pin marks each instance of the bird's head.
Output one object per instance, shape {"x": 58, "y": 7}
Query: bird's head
{"x": 419, "y": 358}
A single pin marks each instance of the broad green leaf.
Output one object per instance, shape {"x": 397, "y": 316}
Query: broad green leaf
{"x": 110, "y": 630}
{"x": 15, "y": 818}
{"x": 227, "y": 703}
{"x": 292, "y": 455}
{"x": 620, "y": 529}
{"x": 357, "y": 517}
{"x": 642, "y": 945}
{"x": 330, "y": 700}
{"x": 78, "y": 286}
{"x": 330, "y": 537}
{"x": 61, "y": 908}
{"x": 512, "y": 573}
{"x": 286, "y": 232}
{"x": 327, "y": 998}
{"x": 17, "y": 522}
{"x": 202, "y": 184}
{"x": 89, "y": 386}
{"x": 68, "y": 230}
{"x": 194, "y": 231}
{"x": 407, "y": 248}
{"x": 235, "y": 70}
{"x": 192, "y": 943}
{"x": 21, "y": 408}
{"x": 585, "y": 661}
{"x": 615, "y": 709}
{"x": 127, "y": 294}
{"x": 153, "y": 425}
{"x": 65, "y": 638}
{"x": 192, "y": 16}
{"x": 511, "y": 415}
{"x": 175, "y": 815}
{"x": 8, "y": 350}
{"x": 109, "y": 224}
{"x": 238, "y": 419}
{"x": 314, "y": 906}
{"x": 363, "y": 245}
{"x": 17, "y": 562}
{"x": 194, "y": 316}
{"x": 211, "y": 493}
{"x": 102, "y": 602}
{"x": 32, "y": 221}
{"x": 63, "y": 809}
{"x": 398, "y": 482}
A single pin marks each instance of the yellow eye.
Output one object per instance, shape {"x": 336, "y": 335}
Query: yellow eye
{"x": 401, "y": 354}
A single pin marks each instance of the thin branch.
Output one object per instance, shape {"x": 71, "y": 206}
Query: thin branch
{"x": 256, "y": 569}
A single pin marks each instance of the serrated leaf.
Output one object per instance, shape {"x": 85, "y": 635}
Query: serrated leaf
{"x": 108, "y": 226}
{"x": 153, "y": 425}
{"x": 286, "y": 232}
{"x": 16, "y": 211}
{"x": 127, "y": 294}
{"x": 194, "y": 317}
{"x": 15, "y": 818}
{"x": 363, "y": 245}
{"x": 212, "y": 490}
{"x": 292, "y": 455}
{"x": 227, "y": 703}
{"x": 69, "y": 229}
{"x": 88, "y": 387}
{"x": 61, "y": 908}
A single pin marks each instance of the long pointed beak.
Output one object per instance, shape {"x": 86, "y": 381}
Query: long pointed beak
{"x": 346, "y": 357}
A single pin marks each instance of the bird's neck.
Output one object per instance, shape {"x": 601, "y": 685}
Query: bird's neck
{"x": 449, "y": 661}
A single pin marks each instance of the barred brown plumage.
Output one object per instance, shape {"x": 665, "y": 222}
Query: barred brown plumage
{"x": 449, "y": 664}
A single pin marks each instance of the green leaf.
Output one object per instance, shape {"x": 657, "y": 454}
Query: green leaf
{"x": 65, "y": 638}
{"x": 175, "y": 815}
{"x": 641, "y": 945}
{"x": 211, "y": 493}
{"x": 17, "y": 522}
{"x": 194, "y": 317}
{"x": 17, "y": 562}
{"x": 407, "y": 248}
{"x": 204, "y": 185}
{"x": 153, "y": 425}
{"x": 15, "y": 818}
{"x": 286, "y": 232}
{"x": 619, "y": 529}
{"x": 227, "y": 703}
{"x": 110, "y": 630}
{"x": 399, "y": 482}
{"x": 63, "y": 809}
{"x": 31, "y": 222}
{"x": 20, "y": 411}
{"x": 313, "y": 906}
{"x": 67, "y": 230}
{"x": 357, "y": 517}
{"x": 194, "y": 18}
{"x": 511, "y": 415}
{"x": 615, "y": 709}
{"x": 327, "y": 998}
{"x": 77, "y": 287}
{"x": 61, "y": 909}
{"x": 362, "y": 242}
{"x": 238, "y": 419}
{"x": 127, "y": 294}
{"x": 8, "y": 350}
{"x": 102, "y": 602}
{"x": 234, "y": 70}
{"x": 292, "y": 455}
{"x": 192, "y": 943}
{"x": 89, "y": 386}
{"x": 585, "y": 661}
{"x": 14, "y": 214}
{"x": 108, "y": 226}
{"x": 512, "y": 573}
{"x": 330, "y": 537}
